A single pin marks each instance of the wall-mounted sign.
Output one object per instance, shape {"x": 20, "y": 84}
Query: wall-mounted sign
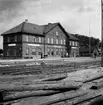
{"x": 56, "y": 46}
{"x": 74, "y": 47}
{"x": 34, "y": 44}
{"x": 12, "y": 44}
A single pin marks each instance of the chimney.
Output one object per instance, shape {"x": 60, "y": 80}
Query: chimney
{"x": 26, "y": 20}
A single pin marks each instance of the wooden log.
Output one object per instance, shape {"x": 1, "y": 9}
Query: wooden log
{"x": 76, "y": 98}
{"x": 13, "y": 97}
{"x": 56, "y": 78}
{"x": 65, "y": 97}
{"x": 60, "y": 86}
{"x": 97, "y": 101}
{"x": 99, "y": 76}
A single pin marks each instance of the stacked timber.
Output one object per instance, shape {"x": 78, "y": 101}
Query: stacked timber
{"x": 78, "y": 88}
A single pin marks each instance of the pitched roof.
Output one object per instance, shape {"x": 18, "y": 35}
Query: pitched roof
{"x": 26, "y": 27}
{"x": 49, "y": 26}
{"x": 72, "y": 37}
{"x": 30, "y": 28}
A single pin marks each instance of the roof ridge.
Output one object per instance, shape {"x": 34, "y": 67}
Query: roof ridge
{"x": 48, "y": 25}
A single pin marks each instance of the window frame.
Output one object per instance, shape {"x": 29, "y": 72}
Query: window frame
{"x": 57, "y": 41}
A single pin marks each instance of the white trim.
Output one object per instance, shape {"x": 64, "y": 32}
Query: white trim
{"x": 74, "y": 47}
{"x": 12, "y": 44}
{"x": 34, "y": 44}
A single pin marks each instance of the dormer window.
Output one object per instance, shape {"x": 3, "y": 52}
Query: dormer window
{"x": 56, "y": 33}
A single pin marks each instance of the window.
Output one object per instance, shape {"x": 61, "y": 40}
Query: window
{"x": 39, "y": 39}
{"x": 34, "y": 39}
{"x": 76, "y": 43}
{"x": 52, "y": 52}
{"x": 51, "y": 40}
{"x": 48, "y": 51}
{"x": 8, "y": 52}
{"x": 15, "y": 38}
{"x": 56, "y": 41}
{"x": 73, "y": 43}
{"x": 27, "y": 38}
{"x": 8, "y": 39}
{"x": 14, "y": 52}
{"x": 27, "y": 51}
{"x": 39, "y": 51}
{"x": 57, "y": 51}
{"x": 61, "y": 41}
{"x": 61, "y": 52}
{"x": 33, "y": 51}
{"x": 48, "y": 40}
{"x": 64, "y": 42}
{"x": 70, "y": 43}
{"x": 56, "y": 33}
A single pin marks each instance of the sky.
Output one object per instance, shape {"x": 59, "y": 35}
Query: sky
{"x": 76, "y": 16}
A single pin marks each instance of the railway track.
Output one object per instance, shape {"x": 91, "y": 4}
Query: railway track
{"x": 24, "y": 69}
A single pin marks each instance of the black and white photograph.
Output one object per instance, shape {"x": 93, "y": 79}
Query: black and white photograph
{"x": 51, "y": 52}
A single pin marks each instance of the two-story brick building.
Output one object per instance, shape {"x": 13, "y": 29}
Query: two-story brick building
{"x": 28, "y": 40}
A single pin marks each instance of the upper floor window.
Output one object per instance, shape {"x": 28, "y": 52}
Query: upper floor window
{"x": 70, "y": 42}
{"x": 15, "y": 38}
{"x": 57, "y": 41}
{"x": 40, "y": 39}
{"x": 64, "y": 42}
{"x": 27, "y": 38}
{"x": 8, "y": 39}
{"x": 51, "y": 40}
{"x": 61, "y": 41}
{"x": 48, "y": 40}
{"x": 56, "y": 33}
{"x": 76, "y": 43}
{"x": 34, "y": 39}
{"x": 73, "y": 43}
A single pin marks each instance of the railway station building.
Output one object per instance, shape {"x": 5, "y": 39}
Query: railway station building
{"x": 28, "y": 40}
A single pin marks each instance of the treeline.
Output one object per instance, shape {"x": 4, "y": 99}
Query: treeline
{"x": 85, "y": 40}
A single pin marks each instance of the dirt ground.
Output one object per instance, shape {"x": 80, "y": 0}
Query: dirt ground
{"x": 77, "y": 69}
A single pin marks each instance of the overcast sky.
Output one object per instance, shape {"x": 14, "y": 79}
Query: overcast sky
{"x": 74, "y": 15}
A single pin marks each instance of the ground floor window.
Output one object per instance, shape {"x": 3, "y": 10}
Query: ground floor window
{"x": 57, "y": 51}
{"x": 48, "y": 51}
{"x": 33, "y": 51}
{"x": 39, "y": 51}
{"x": 8, "y": 52}
{"x": 27, "y": 51}
{"x": 52, "y": 51}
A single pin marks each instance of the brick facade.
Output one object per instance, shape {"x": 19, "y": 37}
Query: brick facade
{"x": 29, "y": 44}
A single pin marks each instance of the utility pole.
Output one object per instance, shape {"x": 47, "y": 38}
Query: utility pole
{"x": 89, "y": 40}
{"x": 101, "y": 33}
